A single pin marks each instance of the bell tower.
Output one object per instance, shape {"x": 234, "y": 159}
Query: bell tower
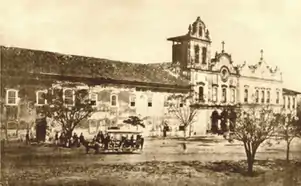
{"x": 192, "y": 50}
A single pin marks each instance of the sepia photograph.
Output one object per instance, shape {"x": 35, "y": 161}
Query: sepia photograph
{"x": 150, "y": 93}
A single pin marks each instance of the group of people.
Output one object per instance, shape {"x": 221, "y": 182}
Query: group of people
{"x": 103, "y": 140}
{"x": 106, "y": 141}
{"x": 227, "y": 120}
{"x": 64, "y": 141}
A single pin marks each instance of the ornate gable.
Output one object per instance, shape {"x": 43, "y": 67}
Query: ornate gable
{"x": 260, "y": 70}
{"x": 221, "y": 61}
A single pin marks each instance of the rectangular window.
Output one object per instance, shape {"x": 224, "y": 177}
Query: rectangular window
{"x": 132, "y": 101}
{"x": 149, "y": 102}
{"x": 294, "y": 103}
{"x": 41, "y": 98}
{"x": 268, "y": 96}
{"x": 114, "y": 100}
{"x": 11, "y": 97}
{"x": 233, "y": 95}
{"x": 201, "y": 93}
{"x": 224, "y": 95}
{"x": 246, "y": 96}
{"x": 93, "y": 98}
{"x": 204, "y": 55}
{"x": 262, "y": 96}
{"x": 165, "y": 101}
{"x": 288, "y": 102}
{"x": 197, "y": 54}
{"x": 284, "y": 102}
{"x": 257, "y": 96}
{"x": 69, "y": 97}
{"x": 214, "y": 94}
{"x": 277, "y": 98}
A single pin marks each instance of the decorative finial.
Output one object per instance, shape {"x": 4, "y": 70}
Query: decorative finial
{"x": 223, "y": 46}
{"x": 261, "y": 51}
{"x": 198, "y": 18}
{"x": 189, "y": 29}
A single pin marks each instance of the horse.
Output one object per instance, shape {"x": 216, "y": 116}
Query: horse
{"x": 90, "y": 145}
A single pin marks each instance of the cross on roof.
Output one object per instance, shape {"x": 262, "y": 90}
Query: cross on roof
{"x": 261, "y": 53}
{"x": 223, "y": 46}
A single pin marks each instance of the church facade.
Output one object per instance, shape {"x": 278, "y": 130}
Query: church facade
{"x": 120, "y": 89}
{"x": 218, "y": 83}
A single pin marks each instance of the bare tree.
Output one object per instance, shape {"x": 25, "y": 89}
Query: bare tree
{"x": 68, "y": 113}
{"x": 181, "y": 107}
{"x": 288, "y": 129}
{"x": 253, "y": 126}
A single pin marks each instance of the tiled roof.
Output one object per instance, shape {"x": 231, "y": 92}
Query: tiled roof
{"x": 290, "y": 92}
{"x": 43, "y": 62}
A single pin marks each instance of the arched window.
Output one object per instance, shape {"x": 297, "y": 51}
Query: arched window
{"x": 288, "y": 102}
{"x": 246, "y": 96}
{"x": 200, "y": 31}
{"x": 201, "y": 93}
{"x": 114, "y": 100}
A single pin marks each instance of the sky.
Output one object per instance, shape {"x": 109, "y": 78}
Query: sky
{"x": 136, "y": 30}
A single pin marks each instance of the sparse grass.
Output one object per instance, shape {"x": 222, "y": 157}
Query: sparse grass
{"x": 40, "y": 165}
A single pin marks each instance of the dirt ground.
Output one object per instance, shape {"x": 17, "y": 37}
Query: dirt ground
{"x": 162, "y": 162}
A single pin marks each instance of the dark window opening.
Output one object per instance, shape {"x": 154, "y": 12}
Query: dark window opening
{"x": 204, "y": 55}
{"x": 114, "y": 100}
{"x": 262, "y": 97}
{"x": 132, "y": 101}
{"x": 150, "y": 102}
{"x": 268, "y": 97}
{"x": 201, "y": 93}
{"x": 257, "y": 96}
{"x": 197, "y": 54}
{"x": 224, "y": 95}
{"x": 246, "y": 96}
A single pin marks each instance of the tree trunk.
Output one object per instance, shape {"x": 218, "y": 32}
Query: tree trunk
{"x": 184, "y": 131}
{"x": 250, "y": 165}
{"x": 287, "y": 151}
{"x": 250, "y": 158}
{"x": 69, "y": 133}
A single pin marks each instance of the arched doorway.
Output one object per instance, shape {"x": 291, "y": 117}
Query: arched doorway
{"x": 214, "y": 121}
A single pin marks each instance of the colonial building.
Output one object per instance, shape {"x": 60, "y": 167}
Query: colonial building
{"x": 218, "y": 82}
{"x": 119, "y": 89}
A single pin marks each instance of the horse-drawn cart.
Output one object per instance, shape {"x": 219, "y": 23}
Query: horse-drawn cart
{"x": 117, "y": 141}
